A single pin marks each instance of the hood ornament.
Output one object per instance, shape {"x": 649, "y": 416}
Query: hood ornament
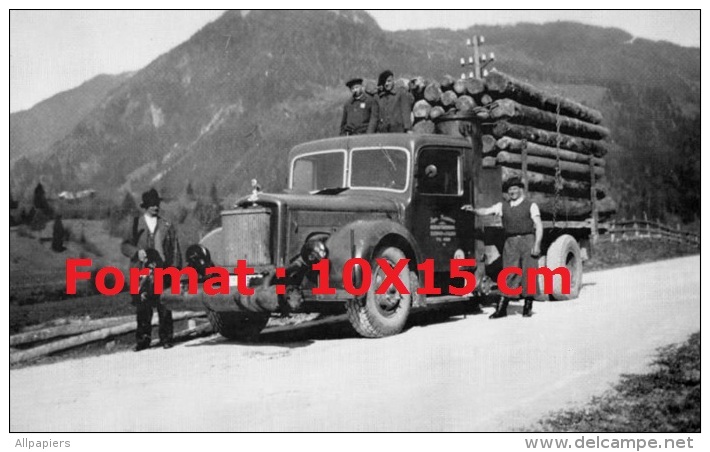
{"x": 255, "y": 190}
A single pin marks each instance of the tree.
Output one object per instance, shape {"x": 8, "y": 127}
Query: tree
{"x": 128, "y": 206}
{"x": 189, "y": 191}
{"x": 207, "y": 214}
{"x": 58, "y": 235}
{"x": 40, "y": 199}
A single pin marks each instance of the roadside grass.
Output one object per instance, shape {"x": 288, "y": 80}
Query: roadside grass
{"x": 665, "y": 400}
{"x": 608, "y": 255}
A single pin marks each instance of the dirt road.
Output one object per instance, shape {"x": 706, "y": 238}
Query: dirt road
{"x": 462, "y": 374}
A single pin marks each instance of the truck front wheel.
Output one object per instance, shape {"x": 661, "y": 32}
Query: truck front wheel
{"x": 380, "y": 315}
{"x": 565, "y": 252}
{"x": 237, "y": 325}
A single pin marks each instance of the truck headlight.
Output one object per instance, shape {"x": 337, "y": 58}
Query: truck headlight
{"x": 313, "y": 251}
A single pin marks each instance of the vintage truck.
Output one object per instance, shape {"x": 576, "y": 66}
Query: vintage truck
{"x": 391, "y": 196}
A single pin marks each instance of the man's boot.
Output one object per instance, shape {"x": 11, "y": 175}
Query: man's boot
{"x": 527, "y": 309}
{"x": 501, "y": 309}
{"x": 142, "y": 344}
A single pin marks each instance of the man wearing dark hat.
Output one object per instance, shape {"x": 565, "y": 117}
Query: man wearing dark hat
{"x": 395, "y": 106}
{"x": 360, "y": 113}
{"x": 523, "y": 230}
{"x": 153, "y": 242}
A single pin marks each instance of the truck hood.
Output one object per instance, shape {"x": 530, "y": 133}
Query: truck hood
{"x": 350, "y": 201}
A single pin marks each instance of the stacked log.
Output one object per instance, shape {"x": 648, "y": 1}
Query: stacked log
{"x": 555, "y": 144}
{"x": 450, "y": 96}
{"x": 504, "y": 86}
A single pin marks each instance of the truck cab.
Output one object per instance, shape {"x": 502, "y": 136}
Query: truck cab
{"x": 361, "y": 199}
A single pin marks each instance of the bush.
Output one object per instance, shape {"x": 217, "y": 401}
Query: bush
{"x": 23, "y": 231}
{"x": 38, "y": 220}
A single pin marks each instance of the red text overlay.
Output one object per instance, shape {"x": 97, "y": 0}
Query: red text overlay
{"x": 358, "y": 275}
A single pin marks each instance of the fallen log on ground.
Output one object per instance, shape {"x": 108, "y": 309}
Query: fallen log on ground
{"x": 508, "y": 87}
{"x": 508, "y": 109}
{"x": 502, "y": 129}
{"x": 50, "y": 323}
{"x": 70, "y": 329}
{"x": 75, "y": 341}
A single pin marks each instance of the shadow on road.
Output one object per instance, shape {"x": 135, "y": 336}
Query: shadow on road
{"x": 338, "y": 328}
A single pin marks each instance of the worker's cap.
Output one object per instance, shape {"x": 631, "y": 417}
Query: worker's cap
{"x": 150, "y": 198}
{"x": 513, "y": 182}
{"x": 383, "y": 77}
{"x": 354, "y": 81}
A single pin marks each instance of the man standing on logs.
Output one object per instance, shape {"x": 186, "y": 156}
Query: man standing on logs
{"x": 360, "y": 113}
{"x": 153, "y": 243}
{"x": 395, "y": 106}
{"x": 523, "y": 231}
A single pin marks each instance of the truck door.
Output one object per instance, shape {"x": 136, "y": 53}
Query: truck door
{"x": 440, "y": 227}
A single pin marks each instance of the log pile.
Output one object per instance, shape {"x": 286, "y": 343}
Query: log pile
{"x": 555, "y": 144}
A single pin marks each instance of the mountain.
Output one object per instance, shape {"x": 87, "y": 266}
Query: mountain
{"x": 33, "y": 131}
{"x": 226, "y": 105}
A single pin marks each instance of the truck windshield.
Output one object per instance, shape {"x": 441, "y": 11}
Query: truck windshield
{"x": 317, "y": 171}
{"x": 384, "y": 168}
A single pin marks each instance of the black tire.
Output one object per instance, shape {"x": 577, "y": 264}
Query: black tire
{"x": 386, "y": 314}
{"x": 238, "y": 325}
{"x": 565, "y": 252}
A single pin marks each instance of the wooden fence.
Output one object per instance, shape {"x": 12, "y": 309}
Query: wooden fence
{"x": 643, "y": 229}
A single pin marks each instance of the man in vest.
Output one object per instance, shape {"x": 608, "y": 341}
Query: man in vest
{"x": 360, "y": 113}
{"x": 523, "y": 231}
{"x": 153, "y": 243}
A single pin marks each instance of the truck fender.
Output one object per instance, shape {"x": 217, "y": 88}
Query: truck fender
{"x": 213, "y": 242}
{"x": 361, "y": 238}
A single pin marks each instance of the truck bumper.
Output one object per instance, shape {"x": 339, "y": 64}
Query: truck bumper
{"x": 264, "y": 299}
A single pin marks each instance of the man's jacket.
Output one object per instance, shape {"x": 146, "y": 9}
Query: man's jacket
{"x": 359, "y": 116}
{"x": 164, "y": 240}
{"x": 395, "y": 111}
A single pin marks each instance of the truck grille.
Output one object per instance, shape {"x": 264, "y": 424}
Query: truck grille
{"x": 247, "y": 235}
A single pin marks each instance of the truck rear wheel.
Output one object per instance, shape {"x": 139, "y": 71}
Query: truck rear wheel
{"x": 237, "y": 325}
{"x": 565, "y": 252}
{"x": 380, "y": 315}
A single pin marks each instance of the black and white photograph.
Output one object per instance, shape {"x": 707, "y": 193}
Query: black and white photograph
{"x": 355, "y": 221}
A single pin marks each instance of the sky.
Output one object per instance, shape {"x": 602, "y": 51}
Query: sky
{"x": 83, "y": 44}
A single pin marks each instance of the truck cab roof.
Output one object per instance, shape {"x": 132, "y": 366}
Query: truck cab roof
{"x": 405, "y": 140}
